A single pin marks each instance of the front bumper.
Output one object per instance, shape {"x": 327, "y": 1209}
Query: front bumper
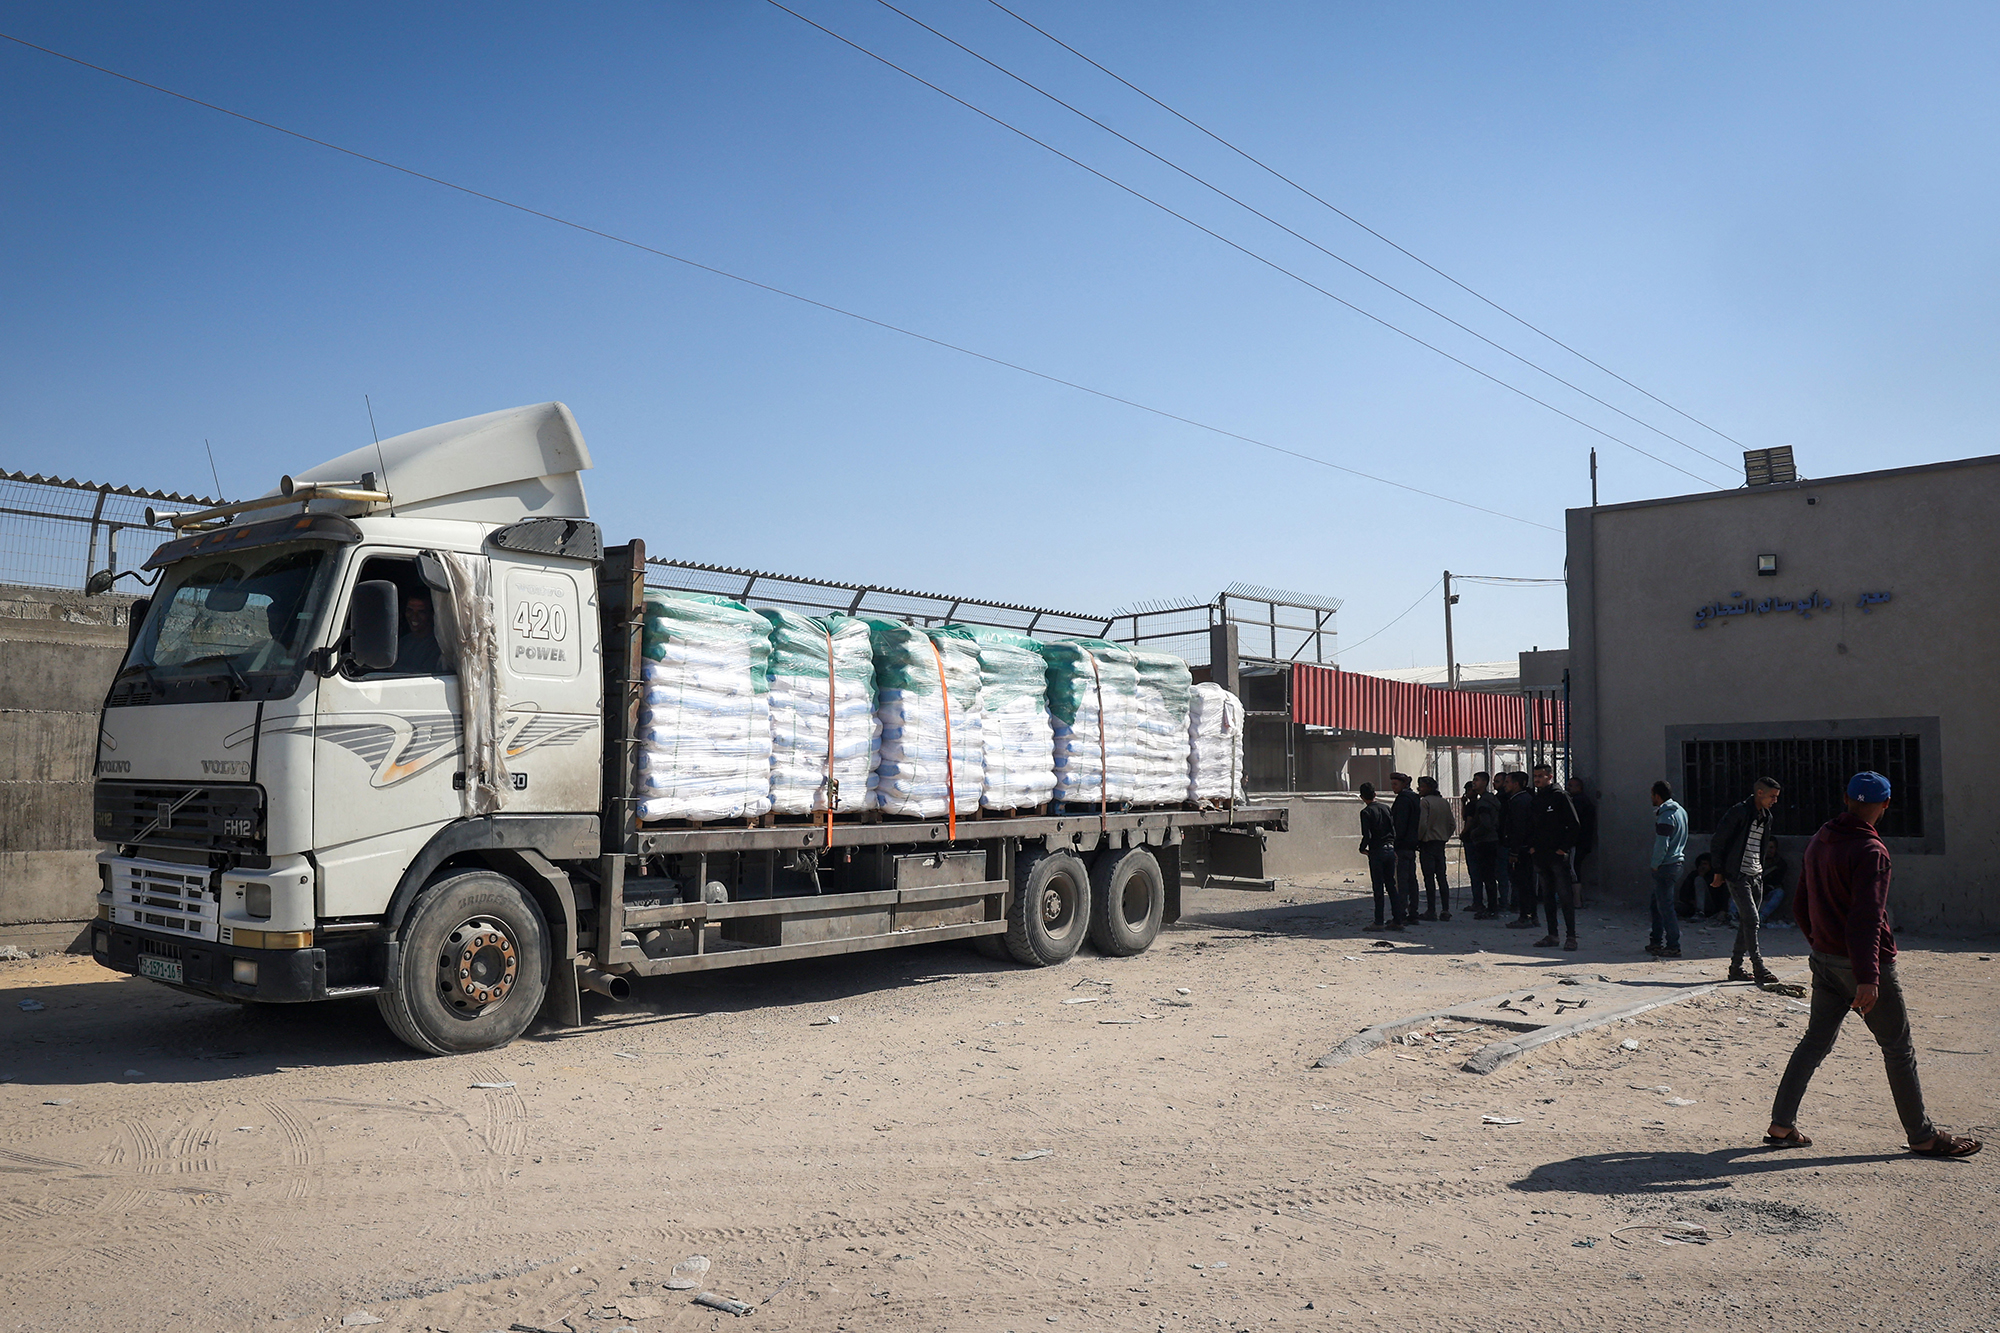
{"x": 284, "y": 976}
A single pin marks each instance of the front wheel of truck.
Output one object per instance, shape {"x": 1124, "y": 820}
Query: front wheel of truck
{"x": 472, "y": 969}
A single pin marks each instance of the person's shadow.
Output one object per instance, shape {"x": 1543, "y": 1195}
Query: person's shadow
{"x": 1641, "y": 1172}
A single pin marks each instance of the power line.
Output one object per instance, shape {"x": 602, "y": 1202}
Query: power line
{"x": 1392, "y": 624}
{"x": 1242, "y": 249}
{"x": 1337, "y": 258}
{"x": 1504, "y": 581}
{"x": 1365, "y": 227}
{"x": 790, "y": 295}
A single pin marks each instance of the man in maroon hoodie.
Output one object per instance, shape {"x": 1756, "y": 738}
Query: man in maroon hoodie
{"x": 1842, "y": 906}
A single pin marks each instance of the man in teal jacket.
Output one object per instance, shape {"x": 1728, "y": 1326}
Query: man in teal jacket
{"x": 1670, "y": 842}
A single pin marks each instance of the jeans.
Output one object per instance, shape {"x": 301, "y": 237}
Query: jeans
{"x": 1666, "y": 922}
{"x": 1558, "y": 890}
{"x": 1833, "y": 987}
{"x": 1747, "y": 892}
{"x": 1482, "y": 868}
{"x": 1382, "y": 874}
{"x": 1437, "y": 879}
{"x": 1521, "y": 874}
{"x": 1406, "y": 881}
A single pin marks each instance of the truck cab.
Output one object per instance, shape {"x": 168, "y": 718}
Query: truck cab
{"x": 385, "y": 670}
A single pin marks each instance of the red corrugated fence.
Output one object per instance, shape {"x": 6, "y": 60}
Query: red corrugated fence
{"x": 1330, "y": 697}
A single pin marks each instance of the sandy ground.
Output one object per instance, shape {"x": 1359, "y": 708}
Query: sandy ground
{"x": 965, "y": 1150}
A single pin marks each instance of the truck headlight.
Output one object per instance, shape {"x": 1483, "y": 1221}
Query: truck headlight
{"x": 257, "y": 900}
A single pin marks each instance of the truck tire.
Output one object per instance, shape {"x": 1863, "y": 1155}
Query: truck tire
{"x": 1050, "y": 910}
{"x": 473, "y": 966}
{"x": 1128, "y": 899}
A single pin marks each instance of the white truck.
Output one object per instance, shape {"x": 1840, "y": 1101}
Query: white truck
{"x": 374, "y": 736}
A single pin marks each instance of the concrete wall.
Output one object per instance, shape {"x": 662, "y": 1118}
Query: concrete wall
{"x": 58, "y": 651}
{"x": 1643, "y": 676}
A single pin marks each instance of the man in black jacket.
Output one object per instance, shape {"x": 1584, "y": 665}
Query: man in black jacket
{"x": 1518, "y": 867}
{"x": 1741, "y": 850}
{"x": 1378, "y": 845}
{"x": 1482, "y": 848}
{"x": 1552, "y": 829}
{"x": 1586, "y": 832}
{"x": 1407, "y": 810}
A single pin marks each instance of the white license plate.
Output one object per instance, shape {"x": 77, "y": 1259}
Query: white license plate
{"x": 160, "y": 969}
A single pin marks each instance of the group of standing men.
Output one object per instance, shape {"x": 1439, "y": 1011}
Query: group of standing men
{"x": 1527, "y": 836}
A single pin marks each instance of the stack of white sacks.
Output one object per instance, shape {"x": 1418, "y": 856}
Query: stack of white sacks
{"x": 917, "y": 675}
{"x": 1093, "y": 703}
{"x": 704, "y": 722}
{"x": 821, "y": 667}
{"x": 1160, "y": 729}
{"x": 1013, "y": 720}
{"x": 1215, "y": 745}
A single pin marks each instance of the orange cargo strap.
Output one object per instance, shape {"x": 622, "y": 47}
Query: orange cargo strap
{"x": 950, "y": 785}
{"x": 832, "y": 786}
{"x": 1103, "y": 761}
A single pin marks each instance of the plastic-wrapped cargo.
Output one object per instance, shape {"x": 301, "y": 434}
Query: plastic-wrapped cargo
{"x": 704, "y": 720}
{"x": 921, "y": 676}
{"x": 822, "y": 673}
{"x": 1014, "y": 728}
{"x": 1160, "y": 728}
{"x": 1093, "y": 704}
{"x": 1215, "y": 745}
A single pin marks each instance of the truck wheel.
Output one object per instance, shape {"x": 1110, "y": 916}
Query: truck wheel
{"x": 1128, "y": 899}
{"x": 1050, "y": 911}
{"x": 473, "y": 967}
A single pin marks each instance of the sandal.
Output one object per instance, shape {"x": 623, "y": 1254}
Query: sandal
{"x": 1791, "y": 1138}
{"x": 1948, "y": 1145}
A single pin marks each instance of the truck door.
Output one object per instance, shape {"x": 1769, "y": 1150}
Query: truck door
{"x": 388, "y": 748}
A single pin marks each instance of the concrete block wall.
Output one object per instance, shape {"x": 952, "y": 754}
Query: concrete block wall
{"x": 58, "y": 652}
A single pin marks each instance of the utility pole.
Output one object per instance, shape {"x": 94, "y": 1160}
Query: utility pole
{"x": 1593, "y": 478}
{"x": 1450, "y": 659}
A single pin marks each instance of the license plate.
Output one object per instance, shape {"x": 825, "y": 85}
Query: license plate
{"x": 160, "y": 969}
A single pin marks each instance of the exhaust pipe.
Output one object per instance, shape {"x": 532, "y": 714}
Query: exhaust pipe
{"x": 608, "y": 984}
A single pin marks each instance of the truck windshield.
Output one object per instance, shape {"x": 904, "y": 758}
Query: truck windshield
{"x": 227, "y": 626}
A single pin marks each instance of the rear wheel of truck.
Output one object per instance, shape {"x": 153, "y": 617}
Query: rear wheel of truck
{"x": 473, "y": 967}
{"x": 1128, "y": 899}
{"x": 1050, "y": 911}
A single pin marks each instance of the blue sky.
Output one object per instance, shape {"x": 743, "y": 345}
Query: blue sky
{"x": 1778, "y": 218}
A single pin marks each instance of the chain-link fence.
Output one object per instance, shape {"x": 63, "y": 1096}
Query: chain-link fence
{"x": 55, "y": 532}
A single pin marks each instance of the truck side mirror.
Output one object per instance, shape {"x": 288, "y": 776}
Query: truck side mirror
{"x": 374, "y": 627}
{"x": 136, "y": 620}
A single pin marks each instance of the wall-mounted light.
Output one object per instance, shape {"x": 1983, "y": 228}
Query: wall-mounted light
{"x": 1767, "y": 564}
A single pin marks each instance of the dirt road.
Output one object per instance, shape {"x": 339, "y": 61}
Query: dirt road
{"x": 1113, "y": 1144}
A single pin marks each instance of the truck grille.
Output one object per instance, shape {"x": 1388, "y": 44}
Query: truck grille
{"x": 155, "y": 895}
{"x": 220, "y": 818}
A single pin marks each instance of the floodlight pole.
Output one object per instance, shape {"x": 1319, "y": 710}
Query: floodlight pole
{"x": 1450, "y": 659}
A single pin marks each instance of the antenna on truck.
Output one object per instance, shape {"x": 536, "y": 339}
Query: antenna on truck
{"x": 380, "y": 461}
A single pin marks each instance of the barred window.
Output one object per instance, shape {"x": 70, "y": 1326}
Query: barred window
{"x": 1814, "y": 774}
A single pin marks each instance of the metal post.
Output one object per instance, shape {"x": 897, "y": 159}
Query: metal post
{"x": 1450, "y": 658}
{"x": 1593, "y": 478}
{"x": 90, "y": 558}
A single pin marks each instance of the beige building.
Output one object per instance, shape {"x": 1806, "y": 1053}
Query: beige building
{"x": 1801, "y": 630}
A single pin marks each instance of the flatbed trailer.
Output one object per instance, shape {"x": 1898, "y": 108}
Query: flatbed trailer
{"x": 814, "y": 889}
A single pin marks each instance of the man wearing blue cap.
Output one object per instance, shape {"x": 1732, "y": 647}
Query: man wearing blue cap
{"x": 1842, "y": 906}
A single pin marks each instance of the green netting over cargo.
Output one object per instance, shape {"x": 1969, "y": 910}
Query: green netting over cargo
{"x": 1073, "y": 681}
{"x": 1169, "y": 676}
{"x": 687, "y": 626}
{"x": 905, "y": 660}
{"x": 799, "y": 647}
{"x": 1011, "y": 666}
